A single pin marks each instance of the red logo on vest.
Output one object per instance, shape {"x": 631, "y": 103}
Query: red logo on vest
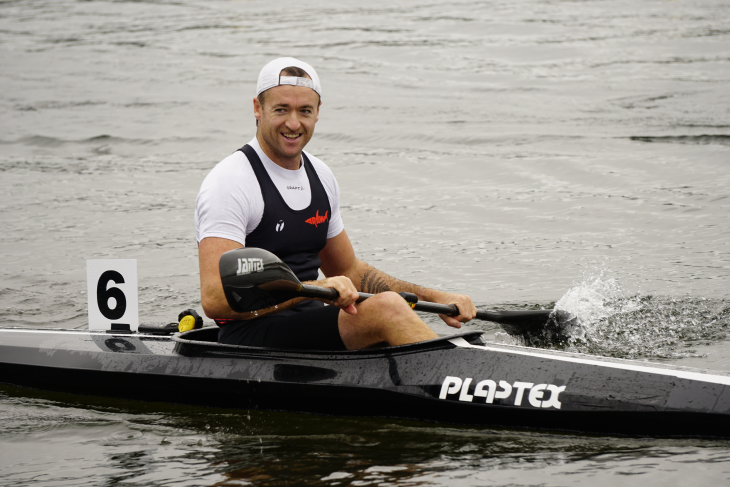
{"x": 317, "y": 219}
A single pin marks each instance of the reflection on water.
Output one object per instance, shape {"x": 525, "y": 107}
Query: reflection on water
{"x": 42, "y": 435}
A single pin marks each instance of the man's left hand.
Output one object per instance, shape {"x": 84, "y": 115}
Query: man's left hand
{"x": 467, "y": 310}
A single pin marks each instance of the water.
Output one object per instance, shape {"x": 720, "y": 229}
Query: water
{"x": 526, "y": 153}
{"x": 102, "y": 442}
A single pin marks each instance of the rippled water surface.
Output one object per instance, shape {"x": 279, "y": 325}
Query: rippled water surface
{"x": 527, "y": 153}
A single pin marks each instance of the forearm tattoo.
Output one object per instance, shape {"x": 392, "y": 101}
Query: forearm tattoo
{"x": 373, "y": 282}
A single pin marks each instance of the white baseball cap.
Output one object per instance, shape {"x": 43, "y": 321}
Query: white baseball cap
{"x": 269, "y": 76}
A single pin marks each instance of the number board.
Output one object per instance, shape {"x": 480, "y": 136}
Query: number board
{"x": 112, "y": 289}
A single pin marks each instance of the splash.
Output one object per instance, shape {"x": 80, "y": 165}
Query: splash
{"x": 589, "y": 303}
{"x": 597, "y": 316}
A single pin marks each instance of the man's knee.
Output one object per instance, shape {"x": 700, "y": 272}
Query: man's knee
{"x": 389, "y": 303}
{"x": 384, "y": 317}
{"x": 390, "y": 297}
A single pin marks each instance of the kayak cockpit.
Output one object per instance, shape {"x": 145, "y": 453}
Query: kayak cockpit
{"x": 204, "y": 342}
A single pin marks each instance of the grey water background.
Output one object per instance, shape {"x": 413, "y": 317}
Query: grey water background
{"x": 526, "y": 153}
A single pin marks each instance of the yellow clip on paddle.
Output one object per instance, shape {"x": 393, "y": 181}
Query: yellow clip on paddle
{"x": 186, "y": 324}
{"x": 189, "y": 320}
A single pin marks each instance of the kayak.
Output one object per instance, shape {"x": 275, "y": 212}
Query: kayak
{"x": 456, "y": 379}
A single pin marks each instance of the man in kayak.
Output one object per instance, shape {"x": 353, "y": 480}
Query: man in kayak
{"x": 272, "y": 195}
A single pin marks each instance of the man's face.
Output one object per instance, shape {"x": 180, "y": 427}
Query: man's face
{"x": 286, "y": 122}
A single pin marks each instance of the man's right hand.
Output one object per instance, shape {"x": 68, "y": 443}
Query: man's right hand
{"x": 345, "y": 288}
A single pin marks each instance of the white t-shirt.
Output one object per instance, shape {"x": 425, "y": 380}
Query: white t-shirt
{"x": 230, "y": 204}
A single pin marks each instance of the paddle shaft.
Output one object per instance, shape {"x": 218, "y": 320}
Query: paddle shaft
{"x": 331, "y": 294}
{"x": 524, "y": 320}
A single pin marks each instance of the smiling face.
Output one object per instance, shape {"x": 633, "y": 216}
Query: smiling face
{"x": 286, "y": 121}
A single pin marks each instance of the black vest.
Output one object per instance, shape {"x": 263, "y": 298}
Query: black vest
{"x": 296, "y": 237}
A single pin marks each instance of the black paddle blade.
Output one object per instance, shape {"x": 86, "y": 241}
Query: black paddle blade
{"x": 255, "y": 279}
{"x": 518, "y": 322}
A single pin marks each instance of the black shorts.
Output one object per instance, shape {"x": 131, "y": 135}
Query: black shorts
{"x": 308, "y": 326}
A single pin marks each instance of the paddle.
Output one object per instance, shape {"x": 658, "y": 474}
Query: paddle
{"x": 255, "y": 279}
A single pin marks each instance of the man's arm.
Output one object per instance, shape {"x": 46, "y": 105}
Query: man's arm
{"x": 212, "y": 297}
{"x": 338, "y": 258}
{"x": 214, "y": 301}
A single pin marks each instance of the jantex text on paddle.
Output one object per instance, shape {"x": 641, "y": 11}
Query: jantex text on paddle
{"x": 247, "y": 266}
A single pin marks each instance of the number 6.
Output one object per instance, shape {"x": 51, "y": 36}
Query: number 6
{"x": 103, "y": 294}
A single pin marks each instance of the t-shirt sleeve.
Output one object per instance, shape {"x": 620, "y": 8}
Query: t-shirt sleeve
{"x": 222, "y": 209}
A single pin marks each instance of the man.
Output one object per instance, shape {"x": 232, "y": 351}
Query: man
{"x": 271, "y": 194}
